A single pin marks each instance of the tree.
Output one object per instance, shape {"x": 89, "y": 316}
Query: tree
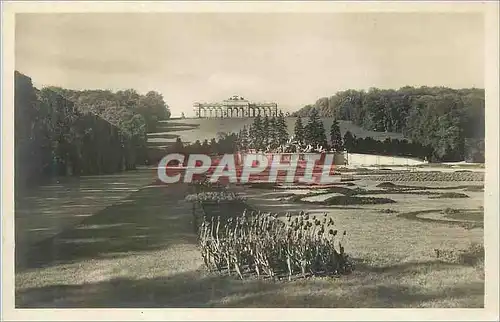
{"x": 272, "y": 133}
{"x": 243, "y": 141}
{"x": 214, "y": 146}
{"x": 349, "y": 141}
{"x": 281, "y": 129}
{"x": 336, "y": 137}
{"x": 435, "y": 118}
{"x": 266, "y": 132}
{"x": 205, "y": 147}
{"x": 299, "y": 132}
{"x": 256, "y": 134}
{"x": 315, "y": 130}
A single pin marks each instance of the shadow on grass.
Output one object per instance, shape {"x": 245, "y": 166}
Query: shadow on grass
{"x": 197, "y": 289}
{"x": 147, "y": 222}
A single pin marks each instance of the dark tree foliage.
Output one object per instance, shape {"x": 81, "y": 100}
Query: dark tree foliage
{"x": 314, "y": 132}
{"x": 226, "y": 143}
{"x": 281, "y": 129}
{"x": 256, "y": 134}
{"x": 443, "y": 120}
{"x": 336, "y": 137}
{"x": 62, "y": 132}
{"x": 299, "y": 134}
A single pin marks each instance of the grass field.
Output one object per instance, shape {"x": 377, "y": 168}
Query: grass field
{"x": 141, "y": 251}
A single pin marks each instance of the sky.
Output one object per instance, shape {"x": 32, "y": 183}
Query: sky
{"x": 288, "y": 58}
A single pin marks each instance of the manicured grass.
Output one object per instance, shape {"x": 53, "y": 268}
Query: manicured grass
{"x": 143, "y": 253}
{"x": 142, "y": 224}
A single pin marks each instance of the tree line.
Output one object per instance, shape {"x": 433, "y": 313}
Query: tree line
{"x": 65, "y": 132}
{"x": 269, "y": 134}
{"x": 447, "y": 123}
{"x": 225, "y": 143}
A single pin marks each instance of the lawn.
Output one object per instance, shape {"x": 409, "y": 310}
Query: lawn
{"x": 142, "y": 252}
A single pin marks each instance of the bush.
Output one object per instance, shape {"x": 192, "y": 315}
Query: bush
{"x": 260, "y": 243}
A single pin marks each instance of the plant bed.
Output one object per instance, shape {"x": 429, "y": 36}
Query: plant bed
{"x": 345, "y": 200}
{"x": 394, "y": 186}
{"x": 213, "y": 196}
{"x": 468, "y": 215}
{"x": 474, "y": 189}
{"x": 351, "y": 200}
{"x": 388, "y": 211}
{"x": 429, "y": 176}
{"x": 449, "y": 195}
{"x": 448, "y": 216}
{"x": 255, "y": 243}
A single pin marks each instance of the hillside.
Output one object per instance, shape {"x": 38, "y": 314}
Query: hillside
{"x": 190, "y": 130}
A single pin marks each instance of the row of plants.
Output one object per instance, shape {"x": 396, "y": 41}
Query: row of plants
{"x": 256, "y": 243}
{"x": 213, "y": 196}
{"x": 242, "y": 241}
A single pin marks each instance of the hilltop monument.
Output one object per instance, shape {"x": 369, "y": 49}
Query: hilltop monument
{"x": 235, "y": 106}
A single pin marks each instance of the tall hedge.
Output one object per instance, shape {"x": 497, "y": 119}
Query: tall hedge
{"x": 56, "y": 137}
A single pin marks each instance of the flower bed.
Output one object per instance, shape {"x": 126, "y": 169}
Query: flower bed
{"x": 261, "y": 244}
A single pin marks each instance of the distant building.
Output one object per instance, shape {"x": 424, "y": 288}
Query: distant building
{"x": 235, "y": 106}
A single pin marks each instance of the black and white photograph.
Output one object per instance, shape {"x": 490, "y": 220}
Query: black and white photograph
{"x": 271, "y": 158}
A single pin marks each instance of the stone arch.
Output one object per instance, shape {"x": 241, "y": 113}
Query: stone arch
{"x": 242, "y": 112}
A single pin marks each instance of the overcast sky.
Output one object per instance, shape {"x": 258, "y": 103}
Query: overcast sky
{"x": 292, "y": 59}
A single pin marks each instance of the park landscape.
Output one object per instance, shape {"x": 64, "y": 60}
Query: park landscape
{"x": 413, "y": 238}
